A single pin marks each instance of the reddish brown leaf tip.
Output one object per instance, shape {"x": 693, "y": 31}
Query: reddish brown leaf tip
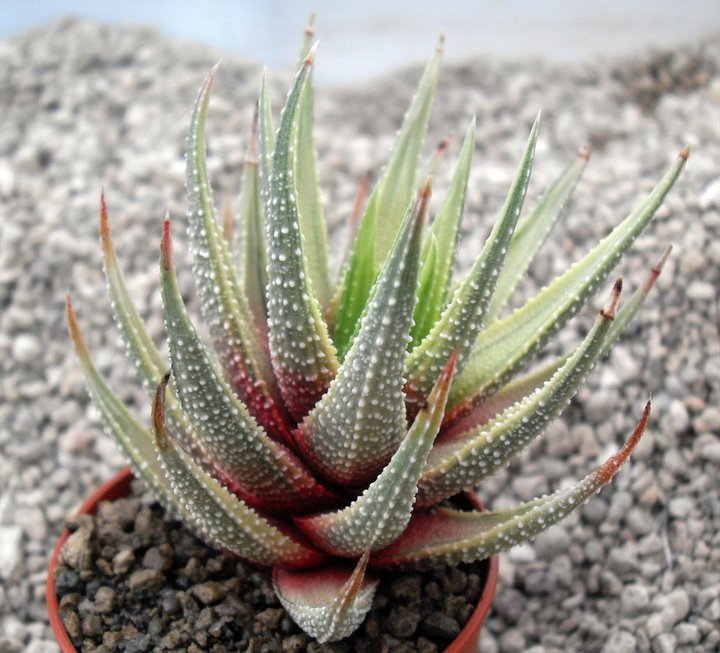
{"x": 657, "y": 268}
{"x": 443, "y": 145}
{"x": 610, "y": 310}
{"x": 166, "y": 258}
{"x": 610, "y": 467}
{"x": 75, "y": 334}
{"x": 685, "y": 153}
{"x": 585, "y": 151}
{"x": 308, "y": 61}
{"x": 425, "y": 191}
{"x": 310, "y": 26}
{"x": 158, "y": 413}
{"x": 441, "y": 42}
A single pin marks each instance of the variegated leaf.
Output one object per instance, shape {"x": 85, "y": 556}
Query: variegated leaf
{"x": 472, "y": 415}
{"x": 356, "y": 427}
{"x": 387, "y": 205}
{"x": 250, "y": 241}
{"x": 440, "y": 246}
{"x": 448, "y": 537}
{"x": 139, "y": 346}
{"x": 243, "y": 353}
{"x": 508, "y": 344}
{"x": 381, "y": 513}
{"x": 328, "y": 603}
{"x": 220, "y": 517}
{"x": 135, "y": 442}
{"x": 459, "y": 324}
{"x": 532, "y": 231}
{"x": 263, "y": 472}
{"x": 462, "y": 462}
{"x": 302, "y": 355}
{"x": 312, "y": 221}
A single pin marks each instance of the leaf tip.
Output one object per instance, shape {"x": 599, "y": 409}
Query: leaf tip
{"x": 610, "y": 467}
{"x": 585, "y": 151}
{"x": 310, "y": 57}
{"x": 609, "y": 311}
{"x": 685, "y": 153}
{"x": 75, "y": 334}
{"x": 166, "y": 259}
{"x": 440, "y": 46}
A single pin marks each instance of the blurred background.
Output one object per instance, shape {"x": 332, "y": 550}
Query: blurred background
{"x": 357, "y": 32}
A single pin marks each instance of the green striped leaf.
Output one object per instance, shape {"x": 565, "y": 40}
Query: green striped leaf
{"x": 381, "y": 513}
{"x": 459, "y": 324}
{"x": 220, "y": 517}
{"x": 448, "y": 537}
{"x": 262, "y": 471}
{"x": 356, "y": 427}
{"x": 243, "y": 354}
{"x": 509, "y": 344}
{"x": 532, "y": 231}
{"x": 312, "y": 221}
{"x": 440, "y": 247}
{"x": 464, "y": 461}
{"x": 386, "y": 207}
{"x": 303, "y": 356}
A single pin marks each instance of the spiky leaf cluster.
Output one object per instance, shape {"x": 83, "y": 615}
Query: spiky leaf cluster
{"x": 321, "y": 430}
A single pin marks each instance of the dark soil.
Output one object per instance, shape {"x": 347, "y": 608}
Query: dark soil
{"x": 131, "y": 579}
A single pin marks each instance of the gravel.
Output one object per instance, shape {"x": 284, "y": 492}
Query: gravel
{"x": 85, "y": 106}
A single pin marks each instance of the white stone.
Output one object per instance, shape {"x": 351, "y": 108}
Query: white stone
{"x": 10, "y": 538}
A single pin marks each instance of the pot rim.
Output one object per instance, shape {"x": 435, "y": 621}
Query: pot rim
{"x": 119, "y": 486}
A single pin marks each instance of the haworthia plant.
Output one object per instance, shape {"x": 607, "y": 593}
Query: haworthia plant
{"x": 320, "y": 434}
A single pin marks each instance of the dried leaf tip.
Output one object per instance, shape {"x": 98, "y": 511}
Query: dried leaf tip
{"x": 166, "y": 258}
{"x": 310, "y": 26}
{"x": 309, "y": 58}
{"x": 440, "y": 42}
{"x": 585, "y": 151}
{"x": 657, "y": 268}
{"x": 158, "y": 413}
{"x": 74, "y": 328}
{"x": 610, "y": 467}
{"x": 610, "y": 310}
{"x": 685, "y": 153}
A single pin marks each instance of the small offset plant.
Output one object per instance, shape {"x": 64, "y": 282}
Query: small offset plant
{"x": 329, "y": 430}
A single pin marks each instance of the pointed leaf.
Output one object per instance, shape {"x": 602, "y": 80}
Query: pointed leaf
{"x": 302, "y": 355}
{"x": 448, "y": 537}
{"x": 532, "y": 232}
{"x": 220, "y": 517}
{"x": 440, "y": 247}
{"x": 267, "y": 135}
{"x": 380, "y": 514}
{"x": 140, "y": 349}
{"x": 262, "y": 471}
{"x": 508, "y": 344}
{"x": 355, "y": 428}
{"x": 329, "y": 603}
{"x": 459, "y": 324}
{"x": 250, "y": 241}
{"x": 462, "y": 462}
{"x": 135, "y": 442}
{"x": 312, "y": 221}
{"x": 471, "y": 415}
{"x": 355, "y": 284}
{"x": 386, "y": 207}
{"x": 242, "y": 352}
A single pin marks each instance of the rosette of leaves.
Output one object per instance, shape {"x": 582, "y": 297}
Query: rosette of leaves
{"x": 325, "y": 430}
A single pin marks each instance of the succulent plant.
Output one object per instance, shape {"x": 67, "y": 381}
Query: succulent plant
{"x": 329, "y": 430}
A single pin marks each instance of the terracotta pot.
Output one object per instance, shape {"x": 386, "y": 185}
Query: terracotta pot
{"x": 119, "y": 486}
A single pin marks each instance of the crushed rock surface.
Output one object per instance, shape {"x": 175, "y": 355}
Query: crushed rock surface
{"x": 84, "y": 106}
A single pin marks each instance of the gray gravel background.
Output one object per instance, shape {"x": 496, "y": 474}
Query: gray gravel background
{"x": 84, "y": 106}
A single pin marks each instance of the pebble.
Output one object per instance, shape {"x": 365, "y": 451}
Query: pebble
{"x": 620, "y": 641}
{"x": 634, "y": 599}
{"x": 10, "y": 538}
{"x": 440, "y": 626}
